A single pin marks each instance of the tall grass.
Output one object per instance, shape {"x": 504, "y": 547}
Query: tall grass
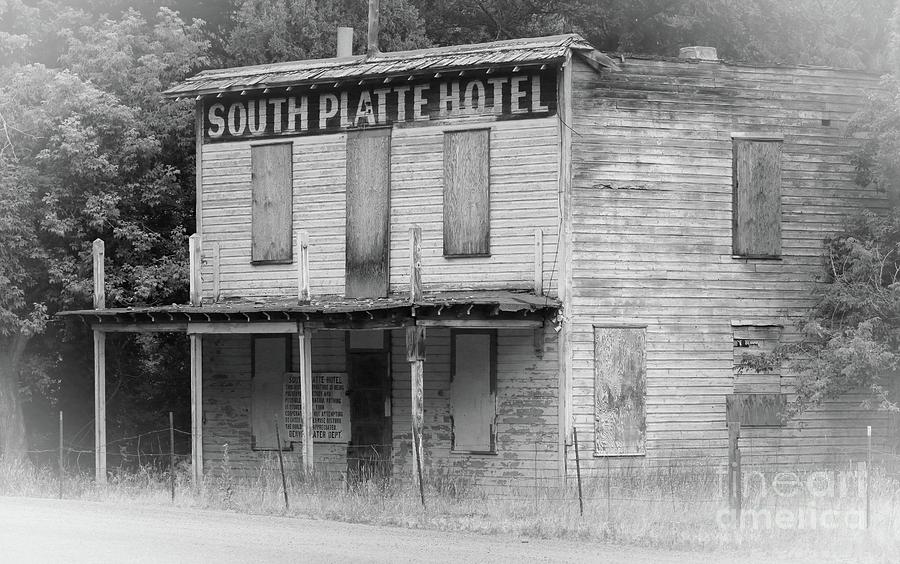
{"x": 677, "y": 508}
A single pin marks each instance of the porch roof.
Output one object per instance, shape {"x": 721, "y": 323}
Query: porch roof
{"x": 334, "y": 310}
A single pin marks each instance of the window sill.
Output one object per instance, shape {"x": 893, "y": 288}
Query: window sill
{"x": 476, "y": 452}
{"x": 756, "y": 257}
{"x": 483, "y": 255}
{"x": 264, "y": 262}
{"x": 619, "y": 455}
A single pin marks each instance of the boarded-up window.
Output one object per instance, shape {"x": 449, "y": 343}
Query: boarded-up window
{"x": 271, "y": 362}
{"x": 757, "y": 401}
{"x": 619, "y": 388}
{"x": 368, "y": 213}
{"x": 756, "y": 197}
{"x": 467, "y": 222}
{"x": 272, "y": 190}
{"x": 473, "y": 390}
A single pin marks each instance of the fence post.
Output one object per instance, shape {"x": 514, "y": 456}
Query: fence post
{"x": 868, "y": 472}
{"x": 287, "y": 505}
{"x": 578, "y": 471}
{"x": 60, "y": 454}
{"x": 735, "y": 494}
{"x": 172, "y": 455}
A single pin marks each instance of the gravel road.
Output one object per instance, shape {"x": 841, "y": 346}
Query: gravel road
{"x": 46, "y": 530}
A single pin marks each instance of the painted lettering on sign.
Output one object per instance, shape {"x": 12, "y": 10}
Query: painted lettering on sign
{"x": 320, "y": 111}
{"x": 330, "y": 413}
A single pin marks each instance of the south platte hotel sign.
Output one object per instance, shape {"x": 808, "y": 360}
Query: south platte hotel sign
{"x": 402, "y": 102}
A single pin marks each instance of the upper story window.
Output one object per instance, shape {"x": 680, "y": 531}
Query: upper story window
{"x": 467, "y": 221}
{"x": 271, "y": 178}
{"x": 756, "y": 196}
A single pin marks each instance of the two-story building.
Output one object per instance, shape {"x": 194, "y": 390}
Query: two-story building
{"x": 459, "y": 255}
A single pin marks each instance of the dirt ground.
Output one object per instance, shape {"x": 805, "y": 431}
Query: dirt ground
{"x": 45, "y": 530}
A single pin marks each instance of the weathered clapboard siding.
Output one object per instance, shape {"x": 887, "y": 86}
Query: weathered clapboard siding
{"x": 527, "y": 412}
{"x": 523, "y": 195}
{"x": 651, "y": 241}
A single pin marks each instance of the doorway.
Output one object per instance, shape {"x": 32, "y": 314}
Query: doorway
{"x": 369, "y": 391}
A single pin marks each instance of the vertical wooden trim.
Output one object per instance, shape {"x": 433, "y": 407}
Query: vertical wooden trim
{"x": 98, "y": 255}
{"x": 100, "y": 406}
{"x": 303, "y": 267}
{"x": 415, "y": 354}
{"x": 217, "y": 275}
{"x": 197, "y": 408}
{"x": 538, "y": 262}
{"x": 198, "y": 166}
{"x": 564, "y": 252}
{"x": 304, "y": 340}
{"x": 194, "y": 265}
{"x": 415, "y": 264}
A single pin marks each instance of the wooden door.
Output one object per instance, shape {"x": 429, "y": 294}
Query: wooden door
{"x": 369, "y": 451}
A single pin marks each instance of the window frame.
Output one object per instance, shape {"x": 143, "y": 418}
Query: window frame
{"x": 492, "y": 387}
{"x": 736, "y": 139}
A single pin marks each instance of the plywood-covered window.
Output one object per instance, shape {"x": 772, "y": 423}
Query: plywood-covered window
{"x": 756, "y": 197}
{"x": 368, "y": 213}
{"x": 473, "y": 390}
{"x": 270, "y": 363}
{"x": 620, "y": 376}
{"x": 467, "y": 220}
{"x": 272, "y": 202}
{"x": 757, "y": 400}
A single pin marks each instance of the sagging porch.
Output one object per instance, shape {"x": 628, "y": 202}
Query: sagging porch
{"x": 351, "y": 385}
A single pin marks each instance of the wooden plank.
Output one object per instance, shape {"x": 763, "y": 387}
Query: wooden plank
{"x": 620, "y": 374}
{"x": 304, "y": 341}
{"x": 194, "y": 263}
{"x": 467, "y": 193}
{"x": 141, "y": 327}
{"x": 480, "y": 323}
{"x": 100, "y": 407}
{"x": 198, "y": 166}
{"x": 757, "y": 197}
{"x": 217, "y": 272}
{"x": 98, "y": 255}
{"x": 228, "y": 328}
{"x": 415, "y": 264}
{"x": 271, "y": 208}
{"x": 368, "y": 213}
{"x": 303, "y": 291}
{"x": 415, "y": 355}
{"x": 197, "y": 410}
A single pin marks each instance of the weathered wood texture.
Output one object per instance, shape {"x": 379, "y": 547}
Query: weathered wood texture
{"x": 526, "y": 416}
{"x": 524, "y": 195}
{"x": 272, "y": 189}
{"x": 473, "y": 389}
{"x": 270, "y": 363}
{"x": 368, "y": 213}
{"x": 620, "y": 375}
{"x": 652, "y": 240}
{"x": 756, "y": 201}
{"x": 467, "y": 201}
{"x": 100, "y": 407}
{"x": 756, "y": 409}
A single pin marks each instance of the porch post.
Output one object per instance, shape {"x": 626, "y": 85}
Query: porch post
{"x": 100, "y": 407}
{"x": 415, "y": 354}
{"x": 197, "y": 408}
{"x": 305, "y": 343}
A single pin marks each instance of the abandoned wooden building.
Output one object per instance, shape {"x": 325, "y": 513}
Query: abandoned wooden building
{"x": 460, "y": 255}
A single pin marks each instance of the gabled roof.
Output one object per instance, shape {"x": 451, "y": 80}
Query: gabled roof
{"x": 538, "y": 50}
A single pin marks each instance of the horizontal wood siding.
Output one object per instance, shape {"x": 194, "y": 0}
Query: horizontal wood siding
{"x": 523, "y": 195}
{"x": 652, "y": 241}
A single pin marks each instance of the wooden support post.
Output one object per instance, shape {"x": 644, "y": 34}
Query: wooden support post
{"x": 217, "y": 272}
{"x": 172, "y": 455}
{"x": 415, "y": 355}
{"x": 578, "y": 472}
{"x": 99, "y": 407}
{"x": 303, "y": 267}
{"x": 415, "y": 264}
{"x": 305, "y": 343}
{"x": 194, "y": 262}
{"x": 60, "y": 455}
{"x": 287, "y": 504}
{"x": 735, "y": 494}
{"x": 99, "y": 257}
{"x": 538, "y": 262}
{"x": 197, "y": 409}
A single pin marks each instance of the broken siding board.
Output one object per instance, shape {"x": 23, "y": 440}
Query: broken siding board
{"x": 750, "y": 341}
{"x": 466, "y": 202}
{"x": 757, "y": 197}
{"x": 272, "y": 189}
{"x": 368, "y": 213}
{"x": 620, "y": 374}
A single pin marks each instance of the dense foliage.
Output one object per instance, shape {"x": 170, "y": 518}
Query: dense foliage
{"x": 89, "y": 148}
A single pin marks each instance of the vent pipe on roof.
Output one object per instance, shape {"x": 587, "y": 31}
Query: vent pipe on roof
{"x": 697, "y": 52}
{"x": 344, "y": 41}
{"x": 373, "y": 29}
